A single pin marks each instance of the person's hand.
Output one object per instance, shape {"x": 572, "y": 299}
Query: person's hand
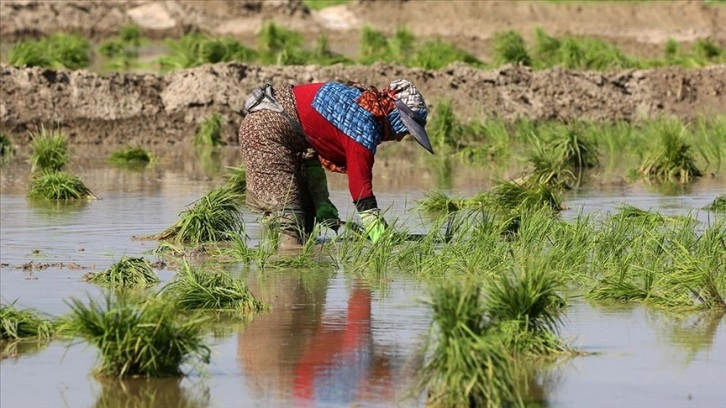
{"x": 375, "y": 226}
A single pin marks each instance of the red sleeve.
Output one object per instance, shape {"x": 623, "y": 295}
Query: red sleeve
{"x": 360, "y": 169}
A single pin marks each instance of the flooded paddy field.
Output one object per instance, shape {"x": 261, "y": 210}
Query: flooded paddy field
{"x": 332, "y": 337}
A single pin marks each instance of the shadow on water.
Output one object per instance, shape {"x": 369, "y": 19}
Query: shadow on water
{"x": 148, "y": 393}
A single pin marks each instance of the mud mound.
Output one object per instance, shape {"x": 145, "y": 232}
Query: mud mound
{"x": 155, "y": 109}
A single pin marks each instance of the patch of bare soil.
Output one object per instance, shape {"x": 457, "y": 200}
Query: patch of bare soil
{"x": 157, "y": 110}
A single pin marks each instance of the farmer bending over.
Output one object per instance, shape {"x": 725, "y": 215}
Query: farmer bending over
{"x": 291, "y": 132}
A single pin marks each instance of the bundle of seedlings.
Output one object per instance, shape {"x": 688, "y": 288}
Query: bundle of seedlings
{"x": 16, "y": 324}
{"x": 56, "y": 51}
{"x": 127, "y": 272}
{"x": 214, "y": 217}
{"x": 236, "y": 180}
{"x": 195, "y": 289}
{"x": 48, "y": 181}
{"x": 718, "y": 204}
{"x": 145, "y": 339}
{"x": 671, "y": 160}
{"x": 132, "y": 157}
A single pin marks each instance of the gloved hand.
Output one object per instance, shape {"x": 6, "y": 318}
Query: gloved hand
{"x": 325, "y": 211}
{"x": 375, "y": 226}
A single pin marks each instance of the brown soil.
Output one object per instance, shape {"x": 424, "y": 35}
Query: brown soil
{"x": 155, "y": 109}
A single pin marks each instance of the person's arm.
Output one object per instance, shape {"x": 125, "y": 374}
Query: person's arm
{"x": 360, "y": 182}
{"x": 325, "y": 211}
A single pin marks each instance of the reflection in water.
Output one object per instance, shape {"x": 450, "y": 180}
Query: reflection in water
{"x": 148, "y": 393}
{"x": 315, "y": 345}
{"x": 17, "y": 348}
{"x": 54, "y": 209}
{"x": 694, "y": 333}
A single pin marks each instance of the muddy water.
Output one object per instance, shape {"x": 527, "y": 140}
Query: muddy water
{"x": 330, "y": 340}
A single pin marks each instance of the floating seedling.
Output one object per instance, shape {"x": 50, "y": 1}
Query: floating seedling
{"x": 50, "y": 150}
{"x": 125, "y": 273}
{"x": 16, "y": 324}
{"x": 718, "y": 204}
{"x": 194, "y": 289}
{"x": 132, "y": 157}
{"x": 58, "y": 185}
{"x": 147, "y": 339}
{"x": 214, "y": 217}
{"x": 210, "y": 132}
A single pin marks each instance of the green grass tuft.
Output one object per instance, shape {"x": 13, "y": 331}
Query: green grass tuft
{"x": 57, "y": 185}
{"x": 672, "y": 160}
{"x": 126, "y": 272}
{"x": 193, "y": 50}
{"x": 50, "y": 150}
{"x": 194, "y": 289}
{"x": 132, "y": 156}
{"x": 57, "y": 51}
{"x": 210, "y": 132}
{"x": 509, "y": 48}
{"x": 18, "y": 324}
{"x": 148, "y": 339}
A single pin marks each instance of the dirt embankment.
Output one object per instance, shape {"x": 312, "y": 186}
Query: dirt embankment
{"x": 166, "y": 109}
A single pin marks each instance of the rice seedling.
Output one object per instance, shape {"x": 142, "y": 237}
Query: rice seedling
{"x": 280, "y": 46}
{"x": 513, "y": 195}
{"x": 236, "y": 180}
{"x": 672, "y": 160}
{"x": 707, "y": 49}
{"x": 321, "y": 4}
{"x": 718, "y": 204}
{"x": 6, "y": 146}
{"x": 57, "y": 185}
{"x": 709, "y": 138}
{"x": 376, "y": 46}
{"x": 128, "y": 271}
{"x": 144, "y": 339}
{"x": 577, "y": 150}
{"x": 322, "y": 55}
{"x": 49, "y": 150}
{"x": 18, "y": 324}
{"x": 509, "y": 48}
{"x": 439, "y": 54}
{"x": 546, "y": 49}
{"x": 465, "y": 367}
{"x": 194, "y": 289}
{"x": 132, "y": 157}
{"x": 209, "y": 132}
{"x": 193, "y": 50}
{"x": 56, "y": 51}
{"x": 214, "y": 217}
{"x": 439, "y": 203}
{"x": 444, "y": 129}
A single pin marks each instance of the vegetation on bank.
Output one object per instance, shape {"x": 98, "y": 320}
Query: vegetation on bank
{"x": 281, "y": 46}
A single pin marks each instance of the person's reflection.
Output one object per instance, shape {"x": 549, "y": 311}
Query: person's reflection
{"x": 315, "y": 345}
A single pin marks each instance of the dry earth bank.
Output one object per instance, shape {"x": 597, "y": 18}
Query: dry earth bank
{"x": 166, "y": 109}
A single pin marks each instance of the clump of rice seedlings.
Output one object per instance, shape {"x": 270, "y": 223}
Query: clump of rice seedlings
{"x": 673, "y": 160}
{"x": 321, "y": 4}
{"x": 6, "y": 146}
{"x": 322, "y": 55}
{"x": 56, "y": 51}
{"x": 57, "y": 185}
{"x": 439, "y": 54}
{"x": 146, "y": 339}
{"x": 707, "y": 49}
{"x": 376, "y": 46}
{"x": 50, "y": 150}
{"x": 439, "y": 203}
{"x": 509, "y": 48}
{"x": 132, "y": 157}
{"x": 513, "y": 195}
{"x": 464, "y": 366}
{"x": 632, "y": 212}
{"x": 16, "y": 324}
{"x": 193, "y": 50}
{"x": 236, "y": 180}
{"x": 214, "y": 217}
{"x": 718, "y": 204}
{"x": 444, "y": 129}
{"x": 129, "y": 271}
{"x": 194, "y": 289}
{"x": 278, "y": 45}
{"x": 210, "y": 132}
{"x": 577, "y": 150}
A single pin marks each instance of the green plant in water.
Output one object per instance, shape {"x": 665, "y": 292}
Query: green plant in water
{"x": 6, "y": 146}
{"x": 444, "y": 129}
{"x": 465, "y": 367}
{"x": 148, "y": 339}
{"x": 278, "y": 45}
{"x": 18, "y": 324}
{"x": 132, "y": 157}
{"x": 128, "y": 271}
{"x": 49, "y": 150}
{"x": 577, "y": 150}
{"x": 718, "y": 203}
{"x": 56, "y": 51}
{"x": 210, "y": 132}
{"x": 214, "y": 217}
{"x": 439, "y": 54}
{"x": 57, "y": 185}
{"x": 194, "y": 289}
{"x": 376, "y": 46}
{"x": 509, "y": 48}
{"x": 672, "y": 161}
{"x": 195, "y": 49}
{"x": 513, "y": 195}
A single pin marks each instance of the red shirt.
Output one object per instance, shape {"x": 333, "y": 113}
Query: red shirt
{"x": 334, "y": 145}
